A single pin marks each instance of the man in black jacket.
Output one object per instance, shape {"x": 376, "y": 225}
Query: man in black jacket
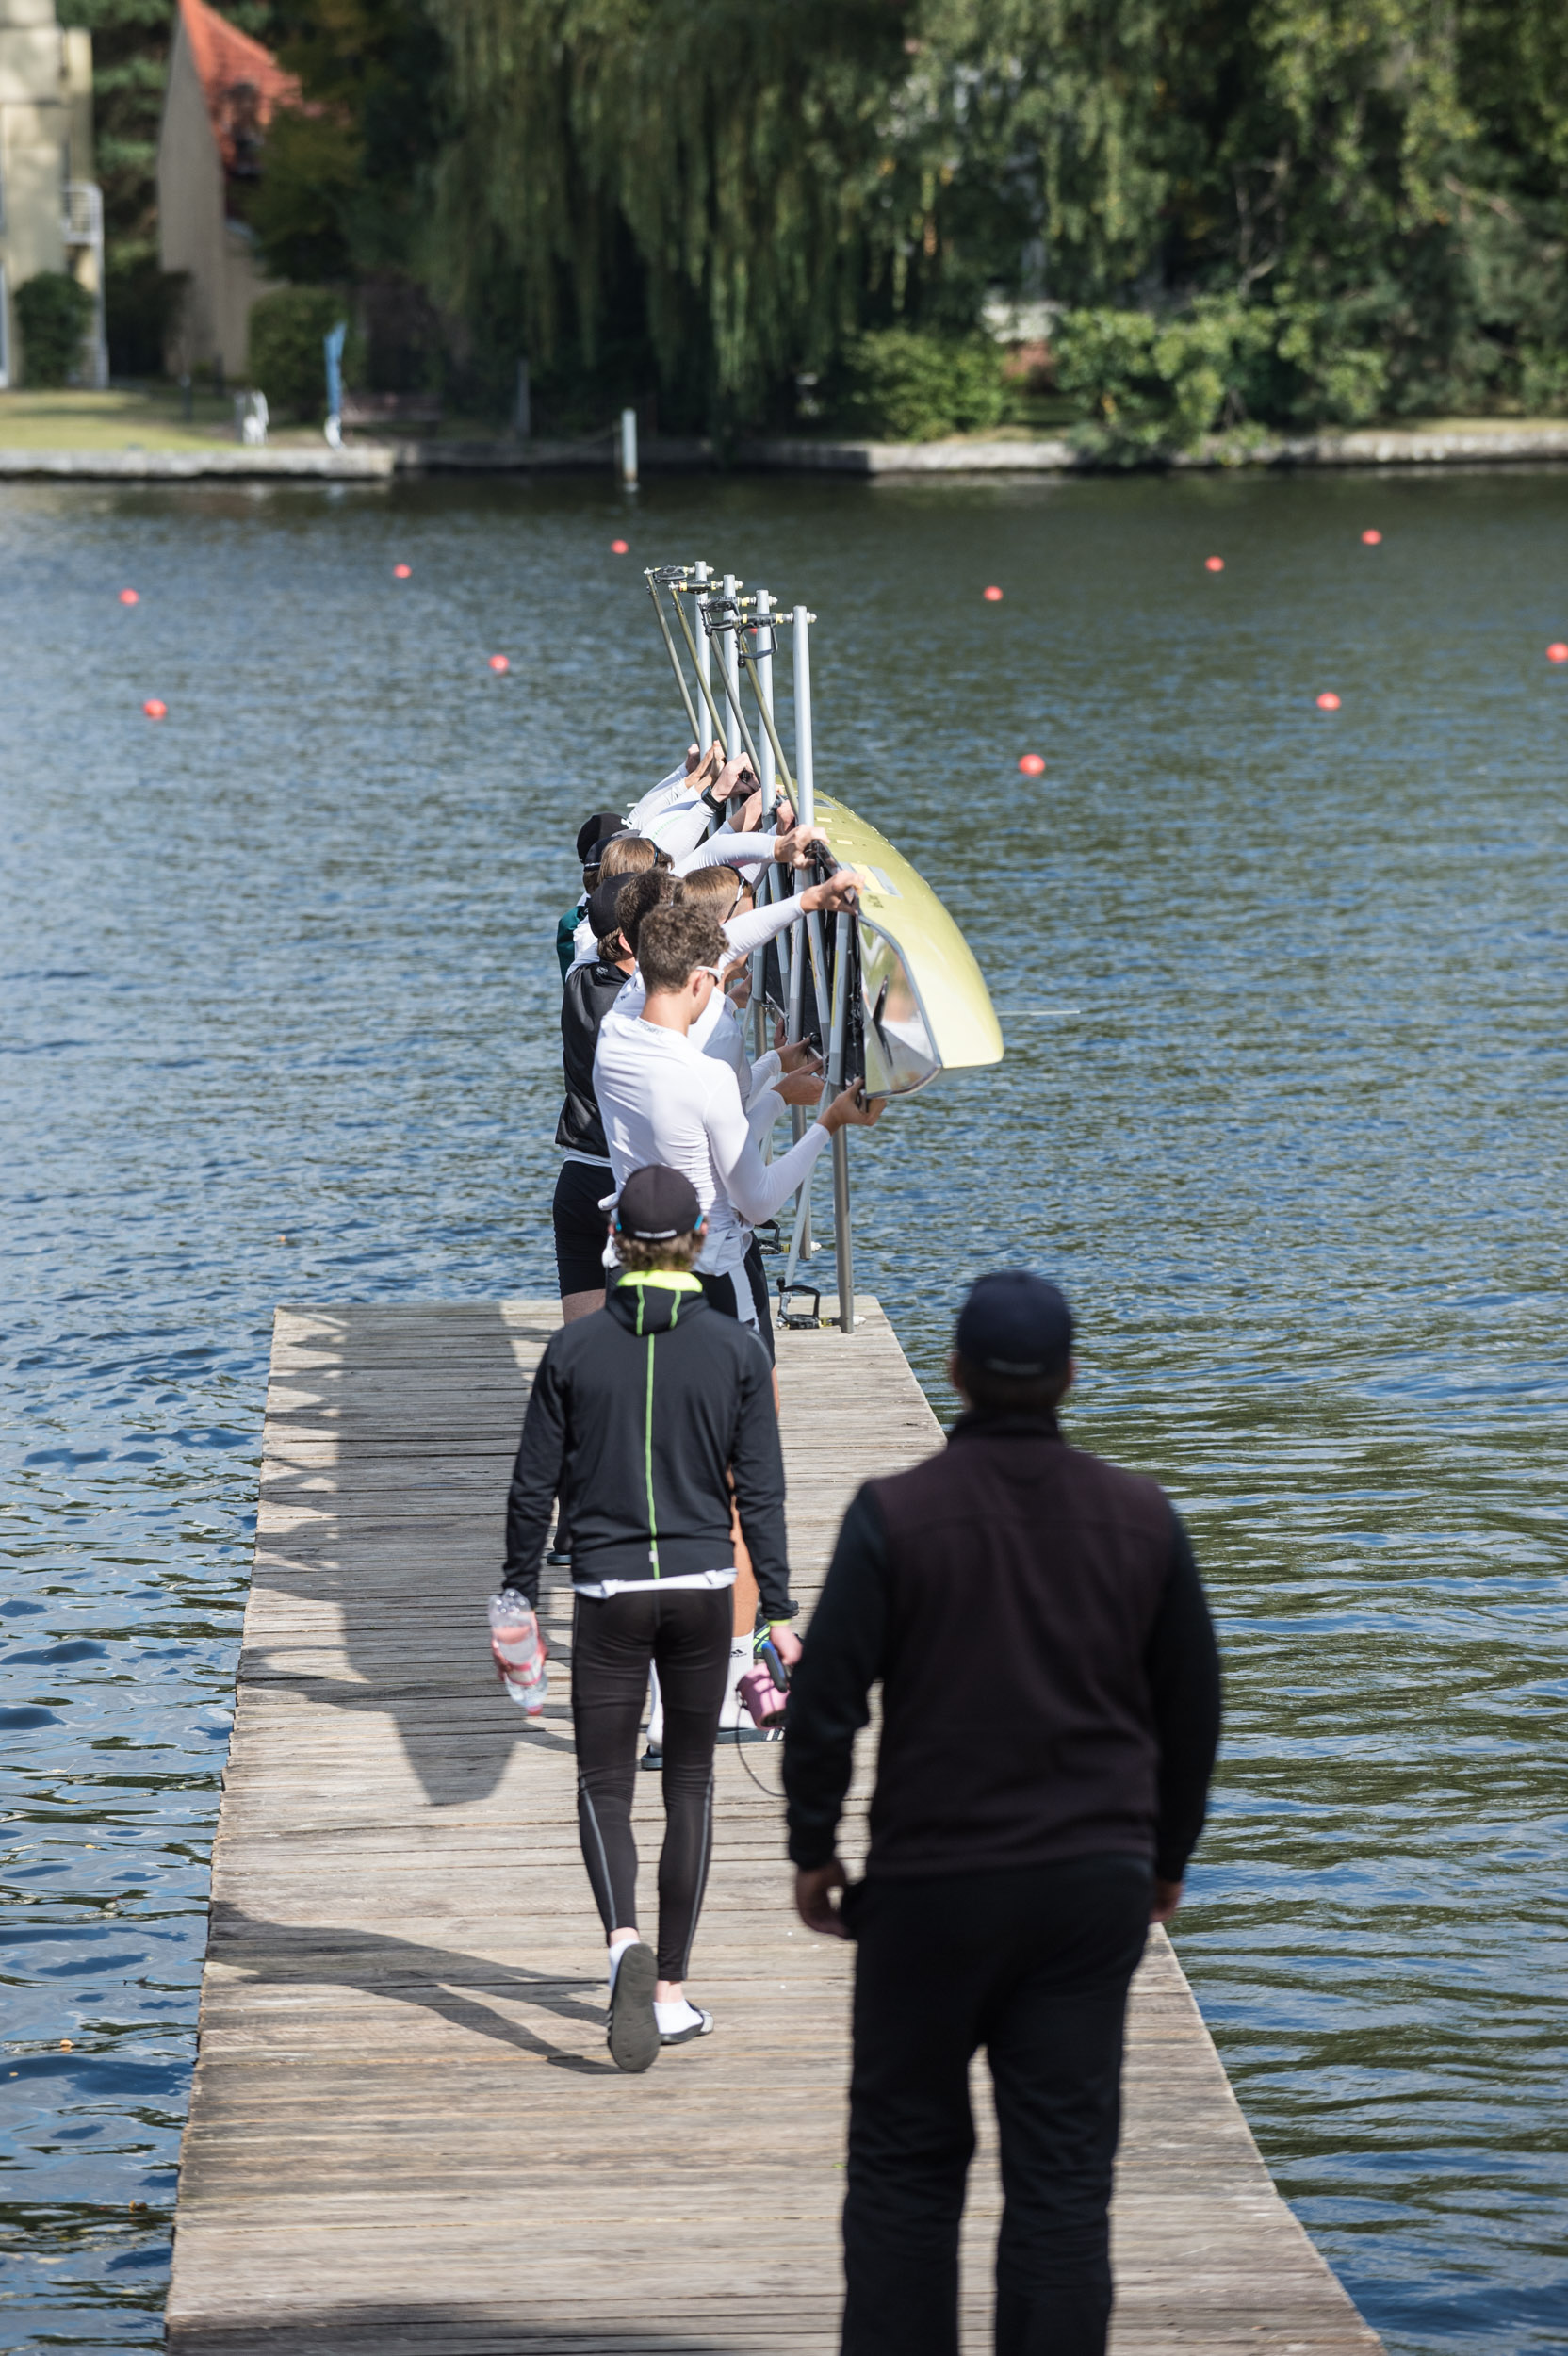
{"x": 1049, "y": 1717}
{"x": 639, "y": 1415}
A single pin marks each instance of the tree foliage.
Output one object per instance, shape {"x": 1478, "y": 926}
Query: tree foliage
{"x": 1288, "y": 210}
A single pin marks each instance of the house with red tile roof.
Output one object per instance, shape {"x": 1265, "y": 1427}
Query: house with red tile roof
{"x": 223, "y": 91}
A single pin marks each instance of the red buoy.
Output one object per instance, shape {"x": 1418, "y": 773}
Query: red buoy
{"x": 620, "y": 548}
{"x": 128, "y": 597}
{"x": 1371, "y": 539}
{"x": 1327, "y": 701}
{"x": 1214, "y": 563}
{"x": 499, "y": 662}
{"x": 1032, "y": 765}
{"x": 992, "y": 595}
{"x": 1556, "y": 651}
{"x": 403, "y": 572}
{"x": 156, "y": 708}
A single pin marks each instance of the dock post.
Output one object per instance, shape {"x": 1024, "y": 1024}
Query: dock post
{"x": 522, "y": 405}
{"x": 729, "y": 655}
{"x": 701, "y": 577}
{"x": 843, "y": 1242}
{"x": 805, "y": 805}
{"x": 628, "y": 449}
{"x": 762, "y": 681}
{"x": 805, "y": 774}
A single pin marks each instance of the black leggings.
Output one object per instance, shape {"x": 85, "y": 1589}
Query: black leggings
{"x": 684, "y": 1631}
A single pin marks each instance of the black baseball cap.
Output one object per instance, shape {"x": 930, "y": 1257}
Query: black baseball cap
{"x": 1015, "y": 1323}
{"x": 601, "y": 904}
{"x": 595, "y": 833}
{"x": 656, "y": 1204}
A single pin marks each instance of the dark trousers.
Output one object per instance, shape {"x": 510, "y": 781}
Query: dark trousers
{"x": 1033, "y": 1964}
{"x": 684, "y": 1633}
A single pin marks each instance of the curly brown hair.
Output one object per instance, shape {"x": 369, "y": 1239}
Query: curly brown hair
{"x": 673, "y": 941}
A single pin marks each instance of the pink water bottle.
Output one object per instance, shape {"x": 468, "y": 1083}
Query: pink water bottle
{"x": 518, "y": 1649}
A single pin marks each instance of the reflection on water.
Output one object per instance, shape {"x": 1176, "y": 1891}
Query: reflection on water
{"x": 1283, "y": 1104}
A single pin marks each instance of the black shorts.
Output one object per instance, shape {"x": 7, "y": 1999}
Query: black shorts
{"x": 580, "y": 1226}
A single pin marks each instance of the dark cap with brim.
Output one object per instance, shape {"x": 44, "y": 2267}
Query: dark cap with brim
{"x": 602, "y": 902}
{"x": 595, "y": 833}
{"x": 657, "y": 1206}
{"x": 1015, "y": 1323}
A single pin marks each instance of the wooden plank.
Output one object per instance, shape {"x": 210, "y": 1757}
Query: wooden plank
{"x": 405, "y": 2134}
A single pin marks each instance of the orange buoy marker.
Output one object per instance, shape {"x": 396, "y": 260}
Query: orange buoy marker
{"x": 620, "y": 548}
{"x": 499, "y": 662}
{"x": 1214, "y": 563}
{"x": 1327, "y": 701}
{"x": 156, "y": 708}
{"x": 403, "y": 572}
{"x": 1371, "y": 539}
{"x": 1556, "y": 651}
{"x": 992, "y": 595}
{"x": 128, "y": 597}
{"x": 1032, "y": 765}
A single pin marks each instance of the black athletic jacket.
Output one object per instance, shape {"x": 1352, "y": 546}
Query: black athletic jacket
{"x": 1049, "y": 1679}
{"x": 591, "y": 992}
{"x": 637, "y": 1415}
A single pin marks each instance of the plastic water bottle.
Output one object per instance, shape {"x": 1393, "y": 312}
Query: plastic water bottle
{"x": 517, "y": 1650}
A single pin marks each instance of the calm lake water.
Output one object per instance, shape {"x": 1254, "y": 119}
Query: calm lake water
{"x": 1283, "y": 1106}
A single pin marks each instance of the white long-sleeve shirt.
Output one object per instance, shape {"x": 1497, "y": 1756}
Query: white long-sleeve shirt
{"x": 658, "y": 798}
{"x": 661, "y": 1100}
{"x": 728, "y": 849}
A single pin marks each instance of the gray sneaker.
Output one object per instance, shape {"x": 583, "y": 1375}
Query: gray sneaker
{"x": 634, "y": 2033}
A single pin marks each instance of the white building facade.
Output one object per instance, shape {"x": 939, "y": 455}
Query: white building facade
{"x": 50, "y": 212}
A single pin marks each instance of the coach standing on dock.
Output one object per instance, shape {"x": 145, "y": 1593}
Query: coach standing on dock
{"x": 1051, "y": 1713}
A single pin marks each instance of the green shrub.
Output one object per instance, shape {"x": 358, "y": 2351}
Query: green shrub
{"x": 902, "y": 386}
{"x": 1145, "y": 387}
{"x": 1543, "y": 383}
{"x": 287, "y": 361}
{"x": 54, "y": 315}
{"x": 1326, "y": 374}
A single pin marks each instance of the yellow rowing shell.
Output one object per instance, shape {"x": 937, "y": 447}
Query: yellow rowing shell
{"x": 927, "y": 1008}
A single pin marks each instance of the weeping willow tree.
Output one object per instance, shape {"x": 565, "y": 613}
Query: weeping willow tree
{"x": 734, "y": 151}
{"x": 734, "y": 188}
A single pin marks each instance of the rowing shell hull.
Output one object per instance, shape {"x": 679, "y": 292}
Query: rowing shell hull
{"x": 925, "y": 1008}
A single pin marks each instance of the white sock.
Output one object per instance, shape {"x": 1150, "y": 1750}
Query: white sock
{"x": 673, "y": 2017}
{"x": 617, "y": 1953}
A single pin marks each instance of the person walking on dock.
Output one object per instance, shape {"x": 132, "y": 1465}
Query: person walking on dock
{"x": 1051, "y": 1713}
{"x": 639, "y": 1414}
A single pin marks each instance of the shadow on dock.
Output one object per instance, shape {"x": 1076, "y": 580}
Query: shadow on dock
{"x": 436, "y": 1979}
{"x": 383, "y": 1516}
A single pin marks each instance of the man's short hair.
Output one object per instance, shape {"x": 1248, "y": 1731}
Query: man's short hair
{"x": 626, "y": 855}
{"x": 715, "y": 889}
{"x": 673, "y": 941}
{"x": 635, "y": 899}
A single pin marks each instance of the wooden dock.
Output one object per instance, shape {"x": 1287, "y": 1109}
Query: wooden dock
{"x": 405, "y": 2134}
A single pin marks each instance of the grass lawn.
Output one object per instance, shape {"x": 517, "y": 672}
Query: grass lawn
{"x": 142, "y": 417}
